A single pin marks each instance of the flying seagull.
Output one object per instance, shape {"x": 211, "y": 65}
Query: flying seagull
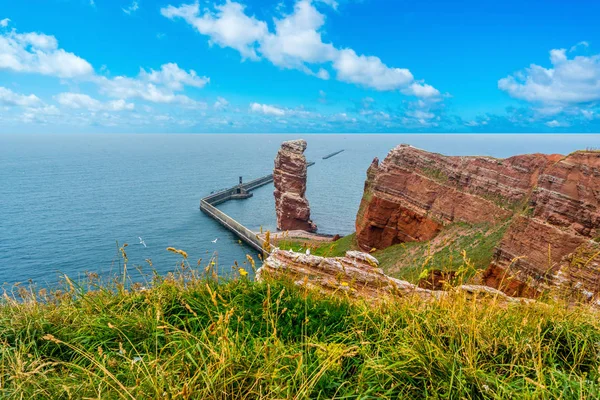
{"x": 142, "y": 241}
{"x": 215, "y": 241}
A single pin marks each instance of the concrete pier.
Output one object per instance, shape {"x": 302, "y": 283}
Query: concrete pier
{"x": 240, "y": 191}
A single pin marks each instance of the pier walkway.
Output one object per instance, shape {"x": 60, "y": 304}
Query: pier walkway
{"x": 241, "y": 191}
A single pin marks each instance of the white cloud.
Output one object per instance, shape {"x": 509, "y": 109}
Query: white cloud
{"x": 554, "y": 124}
{"x": 588, "y": 114}
{"x": 370, "y": 71}
{"x": 569, "y": 81}
{"x": 267, "y": 109}
{"x": 83, "y": 101}
{"x": 133, "y": 7}
{"x": 334, "y": 4}
{"x": 173, "y": 77}
{"x": 227, "y": 26}
{"x": 221, "y": 103}
{"x": 421, "y": 90}
{"x": 583, "y": 44}
{"x": 420, "y": 114}
{"x": 10, "y": 98}
{"x": 155, "y": 86}
{"x": 295, "y": 43}
{"x": 39, "y": 53}
{"x": 4, "y": 22}
{"x": 297, "y": 40}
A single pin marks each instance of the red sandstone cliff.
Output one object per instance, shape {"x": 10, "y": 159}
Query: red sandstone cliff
{"x": 289, "y": 175}
{"x": 551, "y": 200}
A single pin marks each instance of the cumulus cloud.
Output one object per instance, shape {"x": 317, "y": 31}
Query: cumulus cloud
{"x": 173, "y": 77}
{"x": 267, "y": 109}
{"x": 370, "y": 71}
{"x": 295, "y": 43}
{"x": 4, "y": 22}
{"x": 297, "y": 40}
{"x": 154, "y": 86}
{"x": 227, "y": 25}
{"x": 10, "y": 98}
{"x": 569, "y": 81}
{"x": 133, "y": 7}
{"x": 83, "y": 101}
{"x": 38, "y": 53}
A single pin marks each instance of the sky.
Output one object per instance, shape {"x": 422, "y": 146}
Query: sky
{"x": 91, "y": 66}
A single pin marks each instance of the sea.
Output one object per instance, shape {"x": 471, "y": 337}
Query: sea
{"x": 69, "y": 201}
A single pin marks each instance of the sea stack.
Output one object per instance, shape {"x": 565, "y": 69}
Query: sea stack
{"x": 289, "y": 175}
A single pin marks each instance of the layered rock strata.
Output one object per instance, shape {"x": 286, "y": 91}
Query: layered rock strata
{"x": 551, "y": 201}
{"x": 357, "y": 275}
{"x": 289, "y": 176}
{"x": 554, "y": 242}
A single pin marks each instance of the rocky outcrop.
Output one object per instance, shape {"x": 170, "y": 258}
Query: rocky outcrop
{"x": 356, "y": 275}
{"x": 551, "y": 202}
{"x": 289, "y": 176}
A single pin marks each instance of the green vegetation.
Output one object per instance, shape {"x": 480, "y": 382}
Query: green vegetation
{"x": 187, "y": 336}
{"x": 435, "y": 174}
{"x": 408, "y": 260}
{"x": 324, "y": 249}
{"x": 445, "y": 253}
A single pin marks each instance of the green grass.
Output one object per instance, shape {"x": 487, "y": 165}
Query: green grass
{"x": 326, "y": 249}
{"x": 187, "y": 336}
{"x": 408, "y": 260}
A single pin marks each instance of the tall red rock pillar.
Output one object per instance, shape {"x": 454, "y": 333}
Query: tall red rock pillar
{"x": 289, "y": 176}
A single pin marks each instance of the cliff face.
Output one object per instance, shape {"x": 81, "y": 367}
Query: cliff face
{"x": 551, "y": 201}
{"x": 289, "y": 175}
{"x": 554, "y": 243}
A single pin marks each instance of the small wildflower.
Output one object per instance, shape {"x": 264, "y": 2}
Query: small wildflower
{"x": 243, "y": 272}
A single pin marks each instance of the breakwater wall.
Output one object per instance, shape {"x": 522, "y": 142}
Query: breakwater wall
{"x": 208, "y": 206}
{"x": 332, "y": 154}
{"x": 245, "y": 234}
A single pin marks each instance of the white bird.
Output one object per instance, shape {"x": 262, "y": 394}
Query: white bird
{"x": 308, "y": 252}
{"x": 215, "y": 241}
{"x": 142, "y": 241}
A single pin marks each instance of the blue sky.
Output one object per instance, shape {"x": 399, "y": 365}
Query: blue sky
{"x": 299, "y": 66}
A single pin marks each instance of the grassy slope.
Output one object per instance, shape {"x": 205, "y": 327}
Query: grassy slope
{"x": 408, "y": 260}
{"x": 189, "y": 337}
{"x": 331, "y": 249}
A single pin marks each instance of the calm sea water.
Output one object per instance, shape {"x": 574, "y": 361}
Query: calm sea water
{"x": 66, "y": 200}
